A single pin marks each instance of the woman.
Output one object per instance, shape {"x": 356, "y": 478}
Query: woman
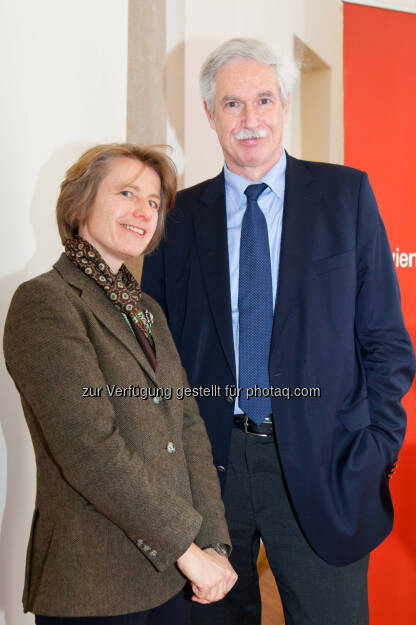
{"x": 127, "y": 494}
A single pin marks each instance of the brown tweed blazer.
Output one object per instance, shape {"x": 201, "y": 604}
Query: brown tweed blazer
{"x": 124, "y": 484}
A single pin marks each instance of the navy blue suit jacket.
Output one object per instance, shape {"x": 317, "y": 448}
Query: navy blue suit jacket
{"x": 338, "y": 326}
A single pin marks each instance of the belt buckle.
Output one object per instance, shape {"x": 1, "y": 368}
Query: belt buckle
{"x": 245, "y": 422}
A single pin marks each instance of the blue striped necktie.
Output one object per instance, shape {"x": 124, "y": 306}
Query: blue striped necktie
{"x": 255, "y": 306}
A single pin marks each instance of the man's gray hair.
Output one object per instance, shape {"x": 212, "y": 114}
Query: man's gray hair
{"x": 244, "y": 48}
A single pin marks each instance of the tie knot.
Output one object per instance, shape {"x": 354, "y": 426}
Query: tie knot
{"x": 253, "y": 191}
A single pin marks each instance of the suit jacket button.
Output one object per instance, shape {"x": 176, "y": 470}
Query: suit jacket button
{"x": 146, "y": 548}
{"x": 170, "y": 447}
{"x": 139, "y": 542}
{"x": 221, "y": 468}
{"x": 157, "y": 400}
{"x": 153, "y": 553}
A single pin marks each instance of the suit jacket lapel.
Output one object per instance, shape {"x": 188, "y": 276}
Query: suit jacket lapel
{"x": 104, "y": 310}
{"x": 301, "y": 202}
{"x": 210, "y": 223}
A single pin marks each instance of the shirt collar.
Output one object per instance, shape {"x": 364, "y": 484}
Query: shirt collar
{"x": 235, "y": 185}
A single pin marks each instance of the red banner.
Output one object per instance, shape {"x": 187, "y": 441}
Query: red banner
{"x": 380, "y": 137}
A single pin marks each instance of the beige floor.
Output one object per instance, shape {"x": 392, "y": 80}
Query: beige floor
{"x": 272, "y": 613}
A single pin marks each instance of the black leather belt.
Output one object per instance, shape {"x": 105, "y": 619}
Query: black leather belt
{"x": 265, "y": 428}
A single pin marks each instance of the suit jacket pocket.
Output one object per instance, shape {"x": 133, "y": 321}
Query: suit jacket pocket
{"x": 357, "y": 417}
{"x": 324, "y": 265}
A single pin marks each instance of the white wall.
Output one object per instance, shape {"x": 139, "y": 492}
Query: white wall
{"x": 408, "y": 6}
{"x": 63, "y": 75}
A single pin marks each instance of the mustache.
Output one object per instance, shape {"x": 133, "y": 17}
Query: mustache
{"x": 252, "y": 134}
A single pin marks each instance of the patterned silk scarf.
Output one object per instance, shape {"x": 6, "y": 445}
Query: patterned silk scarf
{"x": 121, "y": 289}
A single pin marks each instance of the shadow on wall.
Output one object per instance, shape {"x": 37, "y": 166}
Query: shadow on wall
{"x": 315, "y": 103}
{"x": 174, "y": 92}
{"x": 185, "y": 110}
{"x": 17, "y": 483}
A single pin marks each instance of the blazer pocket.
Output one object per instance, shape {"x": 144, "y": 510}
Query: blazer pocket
{"x": 324, "y": 265}
{"x": 357, "y": 417}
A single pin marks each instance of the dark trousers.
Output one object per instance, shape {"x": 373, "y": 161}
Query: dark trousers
{"x": 257, "y": 505}
{"x": 173, "y": 612}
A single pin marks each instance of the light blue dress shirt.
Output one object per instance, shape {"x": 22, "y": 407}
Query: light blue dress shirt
{"x": 271, "y": 204}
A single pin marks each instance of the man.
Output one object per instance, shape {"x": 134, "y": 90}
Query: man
{"x": 277, "y": 278}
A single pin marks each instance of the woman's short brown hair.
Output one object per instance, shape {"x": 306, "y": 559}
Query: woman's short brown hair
{"x": 82, "y": 180}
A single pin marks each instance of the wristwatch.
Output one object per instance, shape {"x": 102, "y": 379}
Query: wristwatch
{"x": 221, "y": 548}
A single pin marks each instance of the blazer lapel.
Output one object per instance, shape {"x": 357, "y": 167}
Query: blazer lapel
{"x": 104, "y": 310}
{"x": 210, "y": 223}
{"x": 301, "y": 202}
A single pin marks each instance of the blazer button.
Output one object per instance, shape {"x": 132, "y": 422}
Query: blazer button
{"x": 139, "y": 542}
{"x": 157, "y": 400}
{"x": 146, "y": 548}
{"x": 153, "y": 553}
{"x": 221, "y": 468}
{"x": 170, "y": 447}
